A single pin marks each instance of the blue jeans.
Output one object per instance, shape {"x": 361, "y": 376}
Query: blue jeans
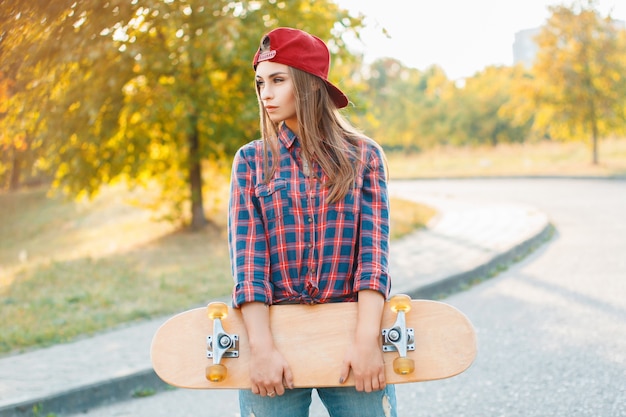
{"x": 340, "y": 402}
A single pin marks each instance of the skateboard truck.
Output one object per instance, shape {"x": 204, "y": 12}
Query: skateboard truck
{"x": 398, "y": 338}
{"x": 220, "y": 344}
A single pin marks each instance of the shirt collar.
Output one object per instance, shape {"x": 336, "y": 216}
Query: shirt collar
{"x": 286, "y": 136}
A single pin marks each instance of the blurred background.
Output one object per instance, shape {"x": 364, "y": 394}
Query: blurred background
{"x": 119, "y": 119}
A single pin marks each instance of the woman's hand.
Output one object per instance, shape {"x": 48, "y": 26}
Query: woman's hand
{"x": 365, "y": 361}
{"x": 269, "y": 371}
{"x": 365, "y": 358}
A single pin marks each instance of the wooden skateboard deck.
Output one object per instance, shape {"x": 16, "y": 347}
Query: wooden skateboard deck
{"x": 314, "y": 339}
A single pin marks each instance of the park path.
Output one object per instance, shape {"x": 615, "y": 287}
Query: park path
{"x": 551, "y": 329}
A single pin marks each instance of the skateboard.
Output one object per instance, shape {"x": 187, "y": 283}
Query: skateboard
{"x": 207, "y": 348}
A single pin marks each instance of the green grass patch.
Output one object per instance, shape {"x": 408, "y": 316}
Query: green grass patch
{"x": 70, "y": 269}
{"x": 408, "y": 216}
{"x": 143, "y": 393}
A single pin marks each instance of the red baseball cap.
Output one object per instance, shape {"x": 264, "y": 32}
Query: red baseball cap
{"x": 303, "y": 51}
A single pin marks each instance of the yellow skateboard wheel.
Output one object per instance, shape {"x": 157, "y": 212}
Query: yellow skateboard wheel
{"x": 400, "y": 302}
{"x": 217, "y": 310}
{"x": 403, "y": 366}
{"x": 216, "y": 373}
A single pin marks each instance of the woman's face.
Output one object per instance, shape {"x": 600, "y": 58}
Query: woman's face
{"x": 275, "y": 86}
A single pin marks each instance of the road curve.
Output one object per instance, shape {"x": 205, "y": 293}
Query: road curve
{"x": 551, "y": 329}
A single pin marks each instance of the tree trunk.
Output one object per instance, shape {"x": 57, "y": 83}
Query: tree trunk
{"x": 198, "y": 219}
{"x": 16, "y": 171}
{"x": 594, "y": 141}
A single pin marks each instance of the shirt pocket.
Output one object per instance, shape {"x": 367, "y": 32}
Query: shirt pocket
{"x": 341, "y": 225}
{"x": 343, "y": 214}
{"x": 274, "y": 199}
{"x": 345, "y": 211}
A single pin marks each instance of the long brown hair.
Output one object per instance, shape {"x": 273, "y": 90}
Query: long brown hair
{"x": 325, "y": 135}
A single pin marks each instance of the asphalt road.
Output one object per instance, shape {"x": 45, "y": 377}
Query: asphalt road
{"x": 551, "y": 329}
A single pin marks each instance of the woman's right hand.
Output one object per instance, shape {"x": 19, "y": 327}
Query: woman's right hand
{"x": 269, "y": 371}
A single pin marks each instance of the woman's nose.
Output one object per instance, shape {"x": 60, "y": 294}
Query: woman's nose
{"x": 266, "y": 93}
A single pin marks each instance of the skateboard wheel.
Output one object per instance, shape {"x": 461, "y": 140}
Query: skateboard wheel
{"x": 216, "y": 373}
{"x": 217, "y": 310}
{"x": 400, "y": 302}
{"x": 403, "y": 366}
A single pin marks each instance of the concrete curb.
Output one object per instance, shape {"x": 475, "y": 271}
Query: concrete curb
{"x": 80, "y": 399}
{"x": 461, "y": 281}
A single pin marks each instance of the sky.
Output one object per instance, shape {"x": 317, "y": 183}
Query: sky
{"x": 461, "y": 36}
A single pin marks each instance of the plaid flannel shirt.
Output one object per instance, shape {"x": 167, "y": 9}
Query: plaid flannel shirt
{"x": 288, "y": 244}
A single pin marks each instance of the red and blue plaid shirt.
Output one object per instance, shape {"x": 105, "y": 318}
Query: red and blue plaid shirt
{"x": 289, "y": 244}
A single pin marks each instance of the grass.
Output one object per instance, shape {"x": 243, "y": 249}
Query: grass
{"x": 535, "y": 159}
{"x": 407, "y": 217}
{"x": 70, "y": 269}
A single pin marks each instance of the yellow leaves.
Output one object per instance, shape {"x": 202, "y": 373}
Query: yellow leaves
{"x": 135, "y": 118}
{"x": 579, "y": 74}
{"x": 20, "y": 143}
{"x": 217, "y": 77}
{"x": 74, "y": 106}
{"x": 158, "y": 151}
{"x": 167, "y": 80}
{"x": 5, "y": 86}
{"x": 63, "y": 169}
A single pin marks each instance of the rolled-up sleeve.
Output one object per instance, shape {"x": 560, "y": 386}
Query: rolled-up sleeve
{"x": 248, "y": 246}
{"x": 372, "y": 272}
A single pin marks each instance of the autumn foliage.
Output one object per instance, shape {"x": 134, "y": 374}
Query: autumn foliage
{"x": 152, "y": 92}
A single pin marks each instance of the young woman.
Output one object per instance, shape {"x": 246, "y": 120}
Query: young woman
{"x": 308, "y": 223}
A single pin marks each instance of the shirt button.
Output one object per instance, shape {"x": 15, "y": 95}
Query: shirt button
{"x": 309, "y": 219}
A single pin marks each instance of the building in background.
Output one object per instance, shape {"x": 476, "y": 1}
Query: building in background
{"x": 525, "y": 47}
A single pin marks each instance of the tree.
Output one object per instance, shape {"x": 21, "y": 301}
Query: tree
{"x": 149, "y": 90}
{"x": 406, "y": 106}
{"x": 20, "y": 33}
{"x": 390, "y": 90}
{"x": 435, "y": 113}
{"x": 414, "y": 110}
{"x": 520, "y": 110}
{"x": 481, "y": 113}
{"x": 580, "y": 75}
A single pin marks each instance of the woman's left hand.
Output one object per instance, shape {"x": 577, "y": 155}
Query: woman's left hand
{"x": 365, "y": 361}
{"x": 365, "y": 358}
